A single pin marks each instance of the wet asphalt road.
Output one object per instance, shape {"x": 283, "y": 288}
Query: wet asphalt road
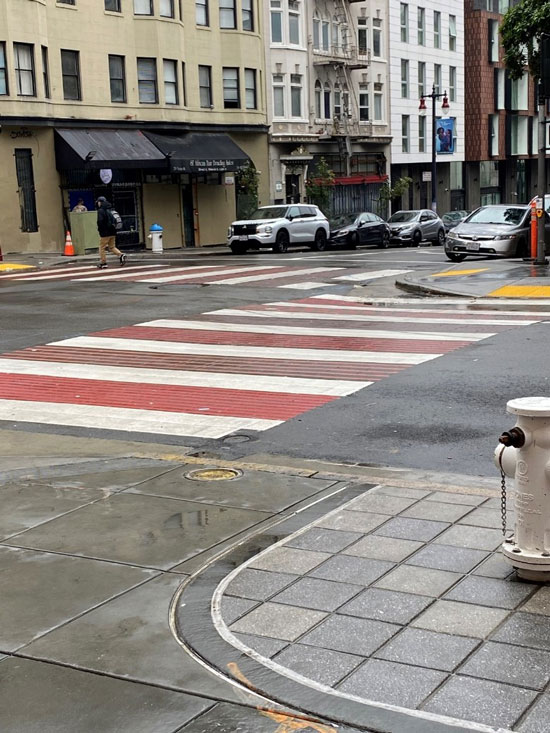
{"x": 444, "y": 415}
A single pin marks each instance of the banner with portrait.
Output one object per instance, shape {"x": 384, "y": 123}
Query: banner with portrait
{"x": 445, "y": 135}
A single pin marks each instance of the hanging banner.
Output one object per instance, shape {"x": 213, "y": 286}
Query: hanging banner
{"x": 445, "y": 135}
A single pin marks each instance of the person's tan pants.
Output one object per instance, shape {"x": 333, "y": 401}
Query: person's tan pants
{"x": 108, "y": 243}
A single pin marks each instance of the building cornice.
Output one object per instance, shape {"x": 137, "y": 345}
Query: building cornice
{"x": 32, "y": 121}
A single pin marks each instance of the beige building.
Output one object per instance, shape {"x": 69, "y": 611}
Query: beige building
{"x": 155, "y": 104}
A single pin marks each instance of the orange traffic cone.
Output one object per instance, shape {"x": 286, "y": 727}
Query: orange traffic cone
{"x": 69, "y": 249}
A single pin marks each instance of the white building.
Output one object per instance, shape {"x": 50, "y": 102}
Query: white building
{"x": 327, "y": 82}
{"x": 426, "y": 44}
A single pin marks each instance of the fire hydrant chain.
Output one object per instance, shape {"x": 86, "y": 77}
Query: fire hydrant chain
{"x": 502, "y": 492}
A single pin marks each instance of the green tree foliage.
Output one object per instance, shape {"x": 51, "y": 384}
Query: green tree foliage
{"x": 247, "y": 181}
{"x": 521, "y": 30}
{"x": 388, "y": 193}
{"x": 318, "y": 187}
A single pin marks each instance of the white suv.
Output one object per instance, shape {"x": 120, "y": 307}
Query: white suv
{"x": 277, "y": 227}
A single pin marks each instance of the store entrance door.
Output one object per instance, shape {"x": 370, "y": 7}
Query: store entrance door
{"x": 188, "y": 215}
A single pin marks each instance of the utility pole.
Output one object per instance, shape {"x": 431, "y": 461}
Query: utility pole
{"x": 445, "y": 107}
{"x": 543, "y": 95}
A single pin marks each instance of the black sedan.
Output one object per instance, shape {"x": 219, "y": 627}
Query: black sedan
{"x": 350, "y": 230}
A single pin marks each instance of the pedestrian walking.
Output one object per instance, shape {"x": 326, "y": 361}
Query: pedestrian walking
{"x": 107, "y": 226}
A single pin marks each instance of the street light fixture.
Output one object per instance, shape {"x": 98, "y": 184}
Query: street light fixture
{"x": 445, "y": 107}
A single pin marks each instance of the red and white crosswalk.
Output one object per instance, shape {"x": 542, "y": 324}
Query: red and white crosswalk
{"x": 300, "y": 278}
{"x": 232, "y": 369}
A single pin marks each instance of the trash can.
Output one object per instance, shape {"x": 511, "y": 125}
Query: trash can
{"x": 155, "y": 235}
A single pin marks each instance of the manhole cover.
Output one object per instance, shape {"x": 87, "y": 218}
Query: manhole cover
{"x": 214, "y": 474}
{"x": 237, "y": 439}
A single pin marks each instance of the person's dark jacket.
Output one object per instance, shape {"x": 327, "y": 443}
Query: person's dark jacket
{"x": 105, "y": 225}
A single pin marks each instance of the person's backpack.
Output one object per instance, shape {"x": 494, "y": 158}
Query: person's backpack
{"x": 115, "y": 219}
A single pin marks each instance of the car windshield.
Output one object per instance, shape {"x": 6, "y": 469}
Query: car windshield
{"x": 403, "y": 216}
{"x": 452, "y": 216}
{"x": 270, "y": 212}
{"x": 507, "y": 215}
{"x": 343, "y": 220}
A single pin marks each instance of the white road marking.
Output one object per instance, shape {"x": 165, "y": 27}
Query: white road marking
{"x": 35, "y": 274}
{"x": 222, "y": 271}
{"x": 259, "y": 383}
{"x": 388, "y": 318}
{"x": 304, "y": 286}
{"x": 75, "y": 276}
{"x": 128, "y": 273}
{"x": 464, "y": 302}
{"x": 303, "y": 331}
{"x": 129, "y": 420}
{"x": 259, "y": 352}
{"x": 373, "y": 275}
{"x": 293, "y": 272}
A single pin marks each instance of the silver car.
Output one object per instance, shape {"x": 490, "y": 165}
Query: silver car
{"x": 411, "y": 227}
{"x": 499, "y": 230}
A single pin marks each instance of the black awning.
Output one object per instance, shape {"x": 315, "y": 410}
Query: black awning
{"x": 200, "y": 152}
{"x": 106, "y": 149}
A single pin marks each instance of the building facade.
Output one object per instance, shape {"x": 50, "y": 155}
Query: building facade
{"x": 156, "y": 104}
{"x": 327, "y": 97}
{"x": 501, "y": 115}
{"x": 427, "y": 55}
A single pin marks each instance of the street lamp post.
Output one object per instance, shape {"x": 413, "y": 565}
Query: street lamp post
{"x": 422, "y": 107}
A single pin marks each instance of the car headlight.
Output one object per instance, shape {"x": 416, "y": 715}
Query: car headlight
{"x": 263, "y": 229}
{"x": 506, "y": 236}
{"x": 342, "y": 232}
{"x": 229, "y": 232}
{"x": 452, "y": 235}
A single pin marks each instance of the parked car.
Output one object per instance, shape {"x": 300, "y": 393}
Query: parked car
{"x": 452, "y": 218}
{"x": 411, "y": 227}
{"x": 350, "y": 230}
{"x": 278, "y": 227}
{"x": 499, "y": 230}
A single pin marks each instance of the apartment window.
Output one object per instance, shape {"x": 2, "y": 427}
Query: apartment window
{"x": 493, "y": 134}
{"x": 337, "y": 103}
{"x": 117, "y": 78}
{"x": 66, "y": 2}
{"x": 362, "y": 35}
{"x": 325, "y": 35}
{"x": 201, "y": 12}
{"x": 363, "y": 103}
{"x": 231, "y": 95}
{"x": 228, "y": 17}
{"x": 456, "y": 171}
{"x": 170, "y": 72}
{"x": 421, "y": 78}
{"x": 437, "y": 29}
{"x": 250, "y": 89}
{"x": 421, "y": 134}
{"x": 493, "y": 41}
{"x": 378, "y": 108}
{"x": 404, "y": 17}
{"x": 404, "y": 79}
{"x": 278, "y": 95}
{"x": 247, "y": 14}
{"x": 70, "y": 68}
{"x": 183, "y": 84}
{"x": 336, "y": 35}
{"x": 166, "y": 9}
{"x": 421, "y": 26}
{"x": 519, "y": 93}
{"x": 488, "y": 174}
{"x": 147, "y": 81}
{"x": 452, "y": 83}
{"x": 143, "y": 7}
{"x": 437, "y": 78}
{"x": 500, "y": 81}
{"x": 296, "y": 95}
{"x": 3, "y": 70}
{"x": 452, "y": 32}
{"x": 327, "y": 107}
{"x": 318, "y": 99}
{"x": 519, "y": 134}
{"x": 316, "y": 32}
{"x": 205, "y": 86}
{"x": 276, "y": 22}
{"x": 377, "y": 37}
{"x": 405, "y": 133}
{"x": 24, "y": 69}
{"x": 113, "y": 6}
{"x": 45, "y": 72}
{"x": 25, "y": 185}
{"x": 294, "y": 22}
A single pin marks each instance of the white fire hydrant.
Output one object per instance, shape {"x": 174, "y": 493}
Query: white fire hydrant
{"x": 524, "y": 455}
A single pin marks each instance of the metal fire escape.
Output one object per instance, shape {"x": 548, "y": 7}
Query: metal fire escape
{"x": 343, "y": 60}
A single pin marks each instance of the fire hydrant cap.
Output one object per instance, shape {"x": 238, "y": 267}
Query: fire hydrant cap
{"x": 529, "y": 406}
{"x": 155, "y": 228}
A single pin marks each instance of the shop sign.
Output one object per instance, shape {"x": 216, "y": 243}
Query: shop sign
{"x": 22, "y": 132}
{"x": 106, "y": 175}
{"x": 205, "y": 165}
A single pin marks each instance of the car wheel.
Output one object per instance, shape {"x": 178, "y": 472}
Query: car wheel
{"x": 353, "y": 240}
{"x": 320, "y": 241}
{"x": 281, "y": 242}
{"x": 441, "y": 237}
{"x": 238, "y": 249}
{"x": 521, "y": 249}
{"x": 385, "y": 243}
{"x": 417, "y": 238}
{"x": 455, "y": 256}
